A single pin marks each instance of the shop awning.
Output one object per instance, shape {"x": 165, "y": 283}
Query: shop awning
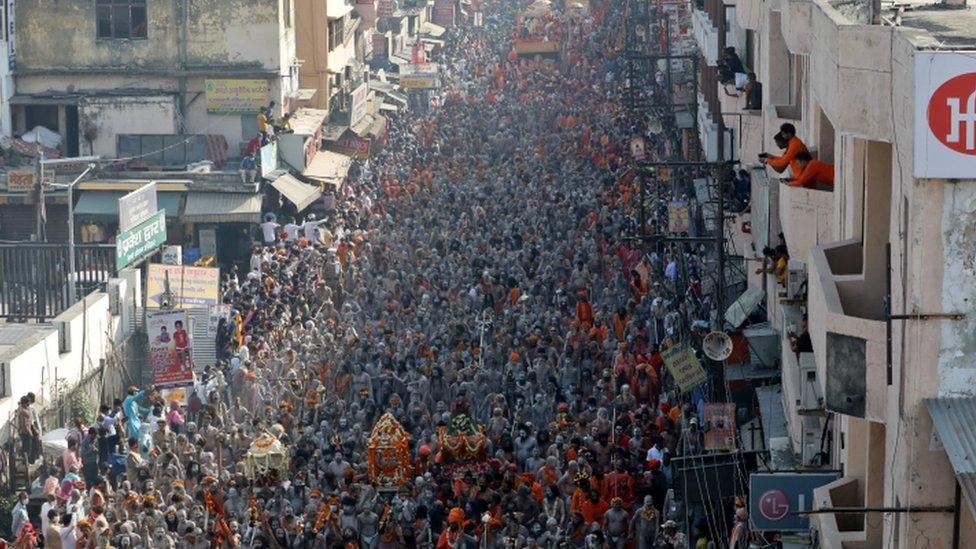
{"x": 301, "y": 194}
{"x": 223, "y": 208}
{"x": 389, "y": 108}
{"x": 332, "y": 132}
{"x": 378, "y": 125}
{"x": 328, "y": 166}
{"x": 105, "y": 204}
{"x": 434, "y": 30}
{"x": 398, "y": 61}
{"x": 954, "y": 420}
{"x": 397, "y": 97}
{"x": 745, "y": 305}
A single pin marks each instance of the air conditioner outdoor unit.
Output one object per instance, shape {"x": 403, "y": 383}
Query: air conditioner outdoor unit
{"x": 796, "y": 279}
{"x": 810, "y": 442}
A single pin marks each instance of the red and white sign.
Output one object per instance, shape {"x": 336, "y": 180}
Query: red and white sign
{"x": 774, "y": 505}
{"x": 945, "y": 115}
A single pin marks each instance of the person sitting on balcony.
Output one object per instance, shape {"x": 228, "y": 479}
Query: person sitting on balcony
{"x": 729, "y": 65}
{"x": 753, "y": 91}
{"x": 800, "y": 343}
{"x": 814, "y": 174}
{"x": 775, "y": 262}
{"x": 785, "y": 139}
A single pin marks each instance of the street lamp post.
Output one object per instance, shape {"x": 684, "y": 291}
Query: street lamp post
{"x": 71, "y": 231}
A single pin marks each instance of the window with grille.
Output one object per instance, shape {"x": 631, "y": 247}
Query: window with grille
{"x": 121, "y": 19}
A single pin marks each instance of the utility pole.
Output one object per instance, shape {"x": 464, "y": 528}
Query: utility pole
{"x": 40, "y": 236}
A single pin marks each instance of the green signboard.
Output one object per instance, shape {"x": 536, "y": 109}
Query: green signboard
{"x": 138, "y": 241}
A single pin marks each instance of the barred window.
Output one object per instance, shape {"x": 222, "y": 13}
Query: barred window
{"x": 121, "y": 19}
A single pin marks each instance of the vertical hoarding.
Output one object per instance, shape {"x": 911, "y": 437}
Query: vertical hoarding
{"x": 170, "y": 348}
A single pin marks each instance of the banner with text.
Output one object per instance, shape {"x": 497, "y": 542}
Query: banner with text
{"x": 138, "y": 206}
{"x": 684, "y": 367}
{"x": 132, "y": 245}
{"x": 236, "y": 95}
{"x": 192, "y": 287}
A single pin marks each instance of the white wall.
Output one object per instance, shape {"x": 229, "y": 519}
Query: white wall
{"x": 36, "y": 362}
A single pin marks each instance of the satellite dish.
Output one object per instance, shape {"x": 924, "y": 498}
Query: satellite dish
{"x": 717, "y": 346}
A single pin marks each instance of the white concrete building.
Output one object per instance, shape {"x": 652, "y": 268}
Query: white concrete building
{"x": 888, "y": 96}
{"x": 79, "y": 347}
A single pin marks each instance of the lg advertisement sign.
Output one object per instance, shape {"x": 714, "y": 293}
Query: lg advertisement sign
{"x": 945, "y": 115}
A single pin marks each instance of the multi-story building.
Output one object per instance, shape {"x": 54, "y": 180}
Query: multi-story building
{"x": 331, "y": 45}
{"x": 888, "y": 394}
{"x": 97, "y": 70}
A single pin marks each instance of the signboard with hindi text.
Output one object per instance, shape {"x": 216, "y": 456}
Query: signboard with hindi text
{"x": 170, "y": 348}
{"x": 684, "y": 367}
{"x": 190, "y": 287}
{"x": 20, "y": 181}
{"x": 140, "y": 240}
{"x": 138, "y": 206}
{"x": 236, "y": 95}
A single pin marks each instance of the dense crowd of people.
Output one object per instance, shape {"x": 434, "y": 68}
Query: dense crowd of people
{"x": 473, "y": 283}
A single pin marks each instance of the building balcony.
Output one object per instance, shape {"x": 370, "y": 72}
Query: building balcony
{"x": 845, "y": 317}
{"x": 796, "y": 25}
{"x": 850, "y": 71}
{"x": 840, "y": 531}
{"x": 806, "y": 217}
{"x": 706, "y": 36}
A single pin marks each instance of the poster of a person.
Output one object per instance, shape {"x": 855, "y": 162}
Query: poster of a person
{"x": 170, "y": 350}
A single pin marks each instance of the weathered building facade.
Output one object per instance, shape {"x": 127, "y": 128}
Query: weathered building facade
{"x": 887, "y": 392}
{"x": 93, "y": 70}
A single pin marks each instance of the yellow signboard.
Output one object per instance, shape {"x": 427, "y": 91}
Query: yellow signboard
{"x": 189, "y": 287}
{"x": 685, "y": 368}
{"x": 419, "y": 82}
{"x": 237, "y": 95}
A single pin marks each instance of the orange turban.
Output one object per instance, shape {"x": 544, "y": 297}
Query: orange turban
{"x": 456, "y": 516}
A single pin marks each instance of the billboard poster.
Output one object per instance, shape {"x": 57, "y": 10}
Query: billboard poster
{"x": 679, "y": 217}
{"x": 684, "y": 367}
{"x": 192, "y": 287}
{"x": 170, "y": 348}
{"x": 775, "y": 499}
{"x": 358, "y": 109}
{"x": 945, "y": 115}
{"x": 720, "y": 426}
{"x": 138, "y": 206}
{"x": 356, "y": 147}
{"x": 236, "y": 95}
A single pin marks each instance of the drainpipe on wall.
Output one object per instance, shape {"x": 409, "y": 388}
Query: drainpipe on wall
{"x": 181, "y": 13}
